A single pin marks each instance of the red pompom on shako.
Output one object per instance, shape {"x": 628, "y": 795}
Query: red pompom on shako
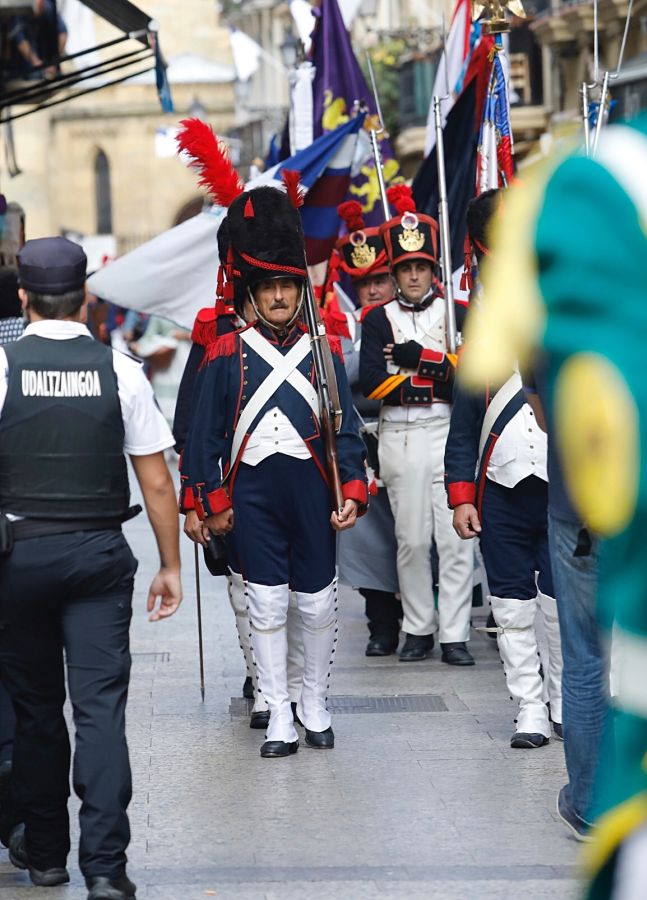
{"x": 409, "y": 234}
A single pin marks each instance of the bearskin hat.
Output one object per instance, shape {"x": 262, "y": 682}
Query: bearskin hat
{"x": 261, "y": 235}
{"x": 408, "y": 235}
{"x": 361, "y": 251}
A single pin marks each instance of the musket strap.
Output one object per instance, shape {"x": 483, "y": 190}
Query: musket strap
{"x": 284, "y": 368}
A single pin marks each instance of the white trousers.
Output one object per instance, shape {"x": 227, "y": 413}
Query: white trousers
{"x": 412, "y": 466}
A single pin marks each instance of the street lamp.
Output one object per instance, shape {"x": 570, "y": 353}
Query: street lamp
{"x": 289, "y": 50}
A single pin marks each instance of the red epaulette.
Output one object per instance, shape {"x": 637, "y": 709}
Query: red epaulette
{"x": 367, "y": 309}
{"x": 225, "y": 345}
{"x": 205, "y": 327}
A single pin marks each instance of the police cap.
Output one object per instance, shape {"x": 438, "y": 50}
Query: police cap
{"x": 52, "y": 266}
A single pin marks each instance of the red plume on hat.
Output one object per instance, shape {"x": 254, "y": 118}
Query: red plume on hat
{"x": 211, "y": 157}
{"x": 294, "y": 190}
{"x": 351, "y": 212}
{"x": 400, "y": 196}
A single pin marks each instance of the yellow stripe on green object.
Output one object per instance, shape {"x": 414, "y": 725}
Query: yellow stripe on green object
{"x": 597, "y": 428}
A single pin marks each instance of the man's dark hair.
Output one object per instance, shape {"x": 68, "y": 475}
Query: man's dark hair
{"x": 480, "y": 211}
{"x": 56, "y": 306}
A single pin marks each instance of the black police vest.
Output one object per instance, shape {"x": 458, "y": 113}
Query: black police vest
{"x": 61, "y": 432}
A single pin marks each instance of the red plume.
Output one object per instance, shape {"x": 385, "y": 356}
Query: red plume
{"x": 294, "y": 189}
{"x": 351, "y": 213}
{"x": 211, "y": 157}
{"x": 399, "y": 195}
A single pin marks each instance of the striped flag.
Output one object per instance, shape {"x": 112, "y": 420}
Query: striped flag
{"x": 495, "y": 167}
{"x": 325, "y": 168}
{"x": 452, "y": 66}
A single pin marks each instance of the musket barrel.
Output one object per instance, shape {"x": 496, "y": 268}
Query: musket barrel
{"x": 445, "y": 240}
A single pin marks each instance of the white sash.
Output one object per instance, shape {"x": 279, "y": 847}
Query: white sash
{"x": 284, "y": 368}
{"x": 501, "y": 399}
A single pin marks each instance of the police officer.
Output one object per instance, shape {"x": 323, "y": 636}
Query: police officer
{"x": 71, "y": 408}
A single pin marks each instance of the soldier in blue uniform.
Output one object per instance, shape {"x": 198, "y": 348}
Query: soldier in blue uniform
{"x": 70, "y": 408}
{"x": 496, "y": 435}
{"x": 404, "y": 364}
{"x": 256, "y": 465}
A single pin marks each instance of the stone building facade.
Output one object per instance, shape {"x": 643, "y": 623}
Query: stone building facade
{"x": 105, "y": 162}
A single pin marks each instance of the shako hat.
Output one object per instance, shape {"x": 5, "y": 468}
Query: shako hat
{"x": 361, "y": 251}
{"x": 51, "y": 266}
{"x": 261, "y": 235}
{"x": 408, "y": 235}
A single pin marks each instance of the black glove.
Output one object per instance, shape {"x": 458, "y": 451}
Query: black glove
{"x": 407, "y": 355}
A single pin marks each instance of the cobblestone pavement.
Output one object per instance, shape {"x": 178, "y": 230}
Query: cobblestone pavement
{"x": 411, "y": 803}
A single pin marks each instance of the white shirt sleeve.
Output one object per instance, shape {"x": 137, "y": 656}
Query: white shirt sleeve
{"x": 146, "y": 430}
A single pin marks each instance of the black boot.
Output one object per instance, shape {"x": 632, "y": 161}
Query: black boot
{"x": 18, "y": 857}
{"x": 383, "y": 612}
{"x": 248, "y": 689}
{"x": 260, "y": 719}
{"x": 417, "y": 647}
{"x": 102, "y": 888}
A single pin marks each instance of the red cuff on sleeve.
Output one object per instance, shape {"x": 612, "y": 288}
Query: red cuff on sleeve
{"x": 461, "y": 492}
{"x": 187, "y": 499}
{"x": 218, "y": 501}
{"x": 432, "y": 356}
{"x": 355, "y": 490}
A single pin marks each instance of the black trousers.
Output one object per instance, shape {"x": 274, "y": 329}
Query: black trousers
{"x": 70, "y": 593}
{"x": 384, "y": 614}
{"x": 7, "y": 725}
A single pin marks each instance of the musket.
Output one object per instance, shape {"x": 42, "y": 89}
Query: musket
{"x": 329, "y": 403}
{"x": 196, "y": 560}
{"x": 453, "y": 337}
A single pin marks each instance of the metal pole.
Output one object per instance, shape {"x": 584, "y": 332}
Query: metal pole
{"x": 445, "y": 241}
{"x": 196, "y": 559}
{"x": 585, "y": 117}
{"x": 375, "y": 145}
{"x": 601, "y": 112}
{"x": 377, "y": 156}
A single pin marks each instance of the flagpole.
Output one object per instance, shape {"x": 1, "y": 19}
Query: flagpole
{"x": 377, "y": 154}
{"x": 453, "y": 340}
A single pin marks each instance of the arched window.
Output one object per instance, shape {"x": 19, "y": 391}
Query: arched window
{"x": 103, "y": 193}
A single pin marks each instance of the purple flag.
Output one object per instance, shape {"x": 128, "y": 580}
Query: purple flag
{"x": 338, "y": 83}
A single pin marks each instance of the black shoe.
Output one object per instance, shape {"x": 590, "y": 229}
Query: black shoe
{"x": 260, "y": 719}
{"x": 456, "y": 654}
{"x": 320, "y": 740}
{"x": 559, "y": 731}
{"x": 248, "y": 688}
{"x": 417, "y": 647}
{"x": 297, "y": 720}
{"x": 102, "y": 888}
{"x": 18, "y": 858}
{"x": 271, "y": 749}
{"x": 379, "y": 646}
{"x": 523, "y": 741}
